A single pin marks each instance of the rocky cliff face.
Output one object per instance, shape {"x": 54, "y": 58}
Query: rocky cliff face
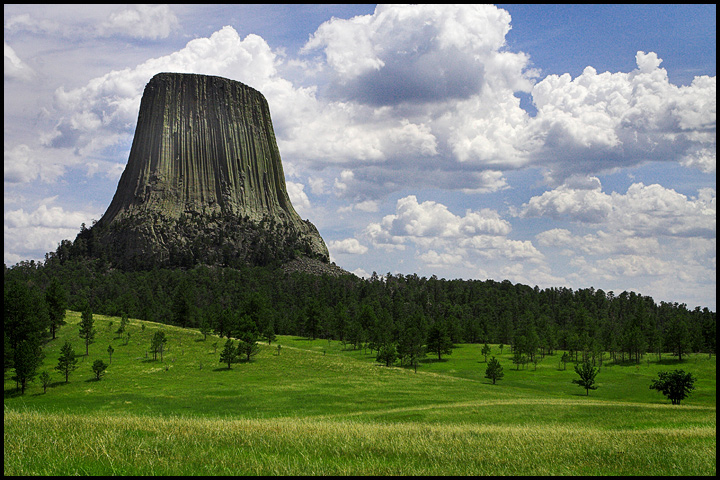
{"x": 204, "y": 183}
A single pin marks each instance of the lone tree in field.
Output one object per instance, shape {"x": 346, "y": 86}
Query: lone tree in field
{"x": 486, "y": 351}
{"x": 157, "y": 344}
{"x": 99, "y": 368}
{"x": 675, "y": 385}
{"x": 229, "y": 354}
{"x": 494, "y": 370}
{"x": 587, "y": 376}
{"x": 87, "y": 327}
{"x": 123, "y": 324}
{"x": 67, "y": 361}
{"x": 45, "y": 380}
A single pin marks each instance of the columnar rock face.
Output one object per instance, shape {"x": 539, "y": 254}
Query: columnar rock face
{"x": 204, "y": 182}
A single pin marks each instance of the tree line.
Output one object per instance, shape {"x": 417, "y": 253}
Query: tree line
{"x": 396, "y": 316}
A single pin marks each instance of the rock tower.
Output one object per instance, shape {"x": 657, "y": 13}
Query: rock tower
{"x": 204, "y": 183}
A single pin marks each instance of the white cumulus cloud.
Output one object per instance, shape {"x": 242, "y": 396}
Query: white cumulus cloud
{"x": 298, "y": 197}
{"x": 441, "y": 237}
{"x": 598, "y": 121}
{"x": 103, "y": 112}
{"x": 349, "y": 245}
{"x": 141, "y": 21}
{"x": 425, "y": 53}
{"x": 26, "y": 232}
{"x": 15, "y": 68}
{"x": 644, "y": 210}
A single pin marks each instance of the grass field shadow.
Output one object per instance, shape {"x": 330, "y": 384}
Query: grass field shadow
{"x": 671, "y": 361}
{"x": 12, "y": 392}
{"x": 433, "y": 360}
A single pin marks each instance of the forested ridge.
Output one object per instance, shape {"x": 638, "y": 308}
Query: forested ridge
{"x": 406, "y": 311}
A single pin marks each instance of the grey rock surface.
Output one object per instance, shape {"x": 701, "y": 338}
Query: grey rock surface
{"x": 204, "y": 182}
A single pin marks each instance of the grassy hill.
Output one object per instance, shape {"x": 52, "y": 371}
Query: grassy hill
{"x": 314, "y": 408}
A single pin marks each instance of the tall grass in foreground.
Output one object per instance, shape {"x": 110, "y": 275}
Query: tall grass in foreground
{"x": 39, "y": 443}
{"x": 316, "y": 407}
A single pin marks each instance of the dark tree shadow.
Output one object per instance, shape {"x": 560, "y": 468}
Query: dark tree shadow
{"x": 12, "y": 392}
{"x": 669, "y": 361}
{"x": 433, "y": 360}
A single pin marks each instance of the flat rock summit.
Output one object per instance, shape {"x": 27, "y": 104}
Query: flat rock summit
{"x": 204, "y": 184}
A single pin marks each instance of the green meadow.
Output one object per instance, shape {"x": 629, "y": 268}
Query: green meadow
{"x": 315, "y": 407}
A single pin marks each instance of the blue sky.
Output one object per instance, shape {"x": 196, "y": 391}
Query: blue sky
{"x": 558, "y": 146}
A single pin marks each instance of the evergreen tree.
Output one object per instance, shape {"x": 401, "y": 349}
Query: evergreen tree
{"x": 157, "y": 344}
{"x": 677, "y": 336}
{"x": 587, "y": 376}
{"x": 56, "y": 299}
{"x": 99, "y": 367}
{"x": 124, "y": 321}
{"x": 341, "y": 322}
{"x": 257, "y": 309}
{"x": 8, "y": 353}
{"x": 87, "y": 327}
{"x": 635, "y": 343}
{"x": 205, "y": 327}
{"x": 269, "y": 333}
{"x": 387, "y": 354}
{"x": 28, "y": 356}
{"x": 183, "y": 308}
{"x": 709, "y": 328}
{"x": 382, "y": 331}
{"x": 312, "y": 319}
{"x": 438, "y": 340}
{"x": 494, "y": 370}
{"x": 564, "y": 359}
{"x": 224, "y": 323}
{"x": 44, "y": 380}
{"x": 532, "y": 342}
{"x": 67, "y": 361}
{"x": 228, "y": 355}
{"x": 519, "y": 357}
{"x": 367, "y": 318}
{"x": 411, "y": 344}
{"x": 247, "y": 344}
{"x": 354, "y": 333}
{"x": 25, "y": 322}
{"x": 486, "y": 351}
{"x": 370, "y": 312}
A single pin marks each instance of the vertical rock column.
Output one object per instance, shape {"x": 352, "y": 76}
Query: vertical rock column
{"x": 203, "y": 146}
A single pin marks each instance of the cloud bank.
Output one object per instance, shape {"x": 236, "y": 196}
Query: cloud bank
{"x": 428, "y": 90}
{"x": 374, "y": 109}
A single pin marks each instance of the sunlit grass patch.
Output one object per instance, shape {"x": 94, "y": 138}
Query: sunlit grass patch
{"x": 316, "y": 408}
{"x": 41, "y": 443}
